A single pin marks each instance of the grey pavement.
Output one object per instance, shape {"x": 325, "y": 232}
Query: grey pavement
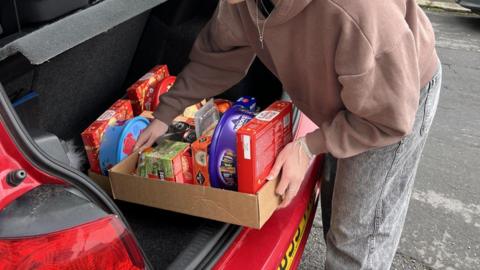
{"x": 448, "y": 5}
{"x": 442, "y": 229}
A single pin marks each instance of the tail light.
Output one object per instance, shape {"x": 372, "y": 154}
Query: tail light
{"x": 43, "y": 225}
{"x": 100, "y": 244}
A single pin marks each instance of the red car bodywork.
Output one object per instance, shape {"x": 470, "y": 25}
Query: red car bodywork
{"x": 268, "y": 248}
{"x": 12, "y": 159}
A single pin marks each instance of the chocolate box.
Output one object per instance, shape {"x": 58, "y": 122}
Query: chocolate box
{"x": 259, "y": 142}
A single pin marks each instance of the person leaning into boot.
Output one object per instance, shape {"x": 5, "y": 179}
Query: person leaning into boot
{"x": 366, "y": 72}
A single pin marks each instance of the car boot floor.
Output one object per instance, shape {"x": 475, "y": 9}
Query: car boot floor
{"x": 161, "y": 234}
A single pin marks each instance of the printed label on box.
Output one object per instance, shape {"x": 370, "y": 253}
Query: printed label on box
{"x": 147, "y": 76}
{"x": 108, "y": 114}
{"x": 246, "y": 147}
{"x": 267, "y": 116}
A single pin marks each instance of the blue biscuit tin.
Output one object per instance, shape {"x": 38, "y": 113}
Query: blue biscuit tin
{"x": 118, "y": 142}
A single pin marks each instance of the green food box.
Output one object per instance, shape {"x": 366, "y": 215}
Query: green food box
{"x": 170, "y": 161}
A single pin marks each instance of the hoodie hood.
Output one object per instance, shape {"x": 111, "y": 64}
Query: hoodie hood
{"x": 284, "y": 10}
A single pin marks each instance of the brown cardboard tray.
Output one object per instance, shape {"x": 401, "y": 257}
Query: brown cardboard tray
{"x": 251, "y": 210}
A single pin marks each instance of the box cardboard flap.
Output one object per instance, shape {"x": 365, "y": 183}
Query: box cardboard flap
{"x": 268, "y": 201}
{"x": 217, "y": 204}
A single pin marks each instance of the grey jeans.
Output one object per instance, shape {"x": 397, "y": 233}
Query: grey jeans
{"x": 365, "y": 198}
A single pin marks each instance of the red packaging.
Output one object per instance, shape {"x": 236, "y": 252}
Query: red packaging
{"x": 200, "y": 160}
{"x": 222, "y": 105}
{"x": 152, "y": 96}
{"x": 186, "y": 175}
{"x": 140, "y": 88}
{"x": 121, "y": 110}
{"x": 259, "y": 142}
{"x": 92, "y": 156}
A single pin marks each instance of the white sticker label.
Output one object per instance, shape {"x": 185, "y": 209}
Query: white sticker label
{"x": 106, "y": 115}
{"x": 146, "y": 76}
{"x": 246, "y": 147}
{"x": 267, "y": 115}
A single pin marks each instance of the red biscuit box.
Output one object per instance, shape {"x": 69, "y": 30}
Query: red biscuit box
{"x": 186, "y": 175}
{"x": 152, "y": 95}
{"x": 139, "y": 89}
{"x": 92, "y": 156}
{"x": 121, "y": 110}
{"x": 259, "y": 142}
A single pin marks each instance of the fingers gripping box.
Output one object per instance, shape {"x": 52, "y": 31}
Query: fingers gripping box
{"x": 259, "y": 142}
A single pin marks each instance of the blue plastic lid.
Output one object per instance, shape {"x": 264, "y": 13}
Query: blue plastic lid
{"x": 118, "y": 142}
{"x": 129, "y": 136}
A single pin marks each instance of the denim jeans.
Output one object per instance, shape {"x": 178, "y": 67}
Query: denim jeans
{"x": 365, "y": 198}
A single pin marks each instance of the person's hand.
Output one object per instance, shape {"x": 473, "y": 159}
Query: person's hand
{"x": 149, "y": 135}
{"x": 293, "y": 161}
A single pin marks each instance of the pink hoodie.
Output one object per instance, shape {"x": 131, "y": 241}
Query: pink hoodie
{"x": 354, "y": 67}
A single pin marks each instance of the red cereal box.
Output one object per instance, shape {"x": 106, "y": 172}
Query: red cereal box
{"x": 200, "y": 160}
{"x": 138, "y": 91}
{"x": 259, "y": 142}
{"x": 121, "y": 110}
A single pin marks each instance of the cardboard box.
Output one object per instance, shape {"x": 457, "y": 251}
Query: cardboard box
{"x": 200, "y": 160}
{"x": 251, "y": 210}
{"x": 170, "y": 161}
{"x": 259, "y": 142}
{"x": 137, "y": 91}
{"x": 101, "y": 180}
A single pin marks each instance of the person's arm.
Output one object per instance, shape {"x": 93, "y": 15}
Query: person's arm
{"x": 219, "y": 59}
{"x": 380, "y": 92}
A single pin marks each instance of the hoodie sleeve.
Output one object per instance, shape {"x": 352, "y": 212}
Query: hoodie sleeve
{"x": 219, "y": 59}
{"x": 379, "y": 91}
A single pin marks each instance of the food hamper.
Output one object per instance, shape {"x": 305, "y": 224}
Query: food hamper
{"x": 211, "y": 163}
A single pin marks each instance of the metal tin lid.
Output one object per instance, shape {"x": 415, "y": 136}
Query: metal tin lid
{"x": 119, "y": 140}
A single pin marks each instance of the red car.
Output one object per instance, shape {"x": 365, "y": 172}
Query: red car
{"x": 62, "y": 63}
